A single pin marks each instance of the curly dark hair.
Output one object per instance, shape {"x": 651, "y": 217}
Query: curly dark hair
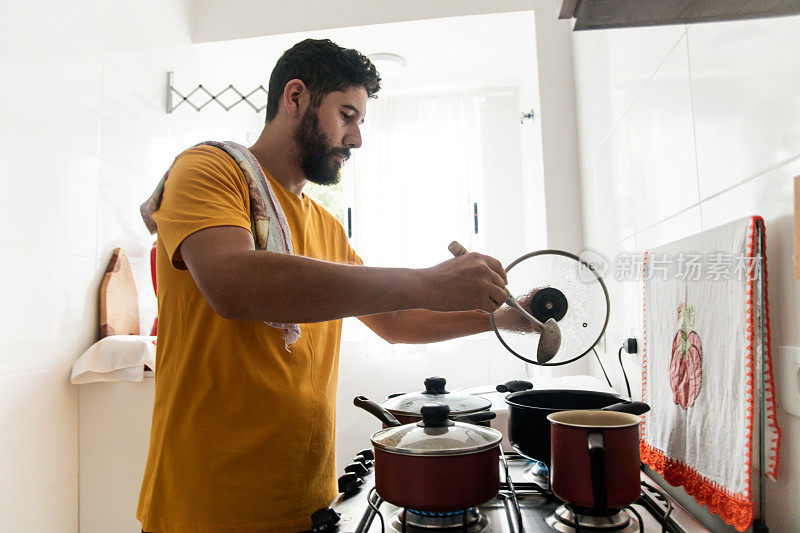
{"x": 324, "y": 67}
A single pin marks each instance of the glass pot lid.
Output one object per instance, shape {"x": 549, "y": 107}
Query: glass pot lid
{"x": 410, "y": 404}
{"x": 558, "y": 285}
{"x": 436, "y": 435}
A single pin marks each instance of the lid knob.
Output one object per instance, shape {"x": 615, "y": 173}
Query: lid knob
{"x": 434, "y": 415}
{"x": 435, "y": 385}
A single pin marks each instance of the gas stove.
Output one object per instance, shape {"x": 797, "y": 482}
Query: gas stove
{"x": 524, "y": 504}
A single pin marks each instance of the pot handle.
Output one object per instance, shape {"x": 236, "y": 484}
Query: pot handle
{"x": 597, "y": 467}
{"x": 476, "y": 418}
{"x": 376, "y": 410}
{"x": 514, "y": 386}
{"x": 634, "y": 408}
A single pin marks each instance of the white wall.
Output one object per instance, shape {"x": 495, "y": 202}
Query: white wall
{"x": 682, "y": 129}
{"x": 85, "y": 137}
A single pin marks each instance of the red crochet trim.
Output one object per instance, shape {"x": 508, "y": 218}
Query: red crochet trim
{"x": 644, "y": 337}
{"x": 749, "y": 331}
{"x": 733, "y": 509}
{"x": 773, "y": 452}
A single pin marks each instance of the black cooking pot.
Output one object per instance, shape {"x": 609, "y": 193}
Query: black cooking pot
{"x": 528, "y": 427}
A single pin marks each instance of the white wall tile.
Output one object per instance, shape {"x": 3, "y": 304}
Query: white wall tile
{"x": 772, "y": 197}
{"x": 133, "y": 116}
{"x": 621, "y": 63}
{"x": 621, "y": 280}
{"x": 119, "y": 222}
{"x": 51, "y": 86}
{"x": 52, "y": 510}
{"x": 39, "y": 424}
{"x": 50, "y": 311}
{"x": 745, "y": 80}
{"x": 599, "y": 102}
{"x": 49, "y": 199}
{"x": 676, "y": 227}
{"x": 78, "y": 19}
{"x": 143, "y": 59}
{"x": 589, "y": 207}
{"x": 614, "y": 188}
{"x": 640, "y": 52}
{"x": 663, "y": 168}
{"x": 583, "y": 46}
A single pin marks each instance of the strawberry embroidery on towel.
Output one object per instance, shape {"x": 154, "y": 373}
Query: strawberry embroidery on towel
{"x": 685, "y": 367}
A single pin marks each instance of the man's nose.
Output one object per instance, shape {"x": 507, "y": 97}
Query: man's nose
{"x": 353, "y": 138}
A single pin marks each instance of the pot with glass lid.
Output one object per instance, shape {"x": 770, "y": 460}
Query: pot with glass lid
{"x": 436, "y": 464}
{"x": 407, "y": 407}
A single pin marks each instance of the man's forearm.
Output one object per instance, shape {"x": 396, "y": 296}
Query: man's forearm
{"x": 242, "y": 283}
{"x": 299, "y": 289}
{"x": 419, "y": 326}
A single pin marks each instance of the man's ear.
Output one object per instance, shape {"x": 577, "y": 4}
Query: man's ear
{"x": 295, "y": 98}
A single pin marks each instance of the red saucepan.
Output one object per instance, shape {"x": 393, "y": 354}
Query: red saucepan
{"x": 595, "y": 458}
{"x": 406, "y": 407}
{"x": 437, "y": 464}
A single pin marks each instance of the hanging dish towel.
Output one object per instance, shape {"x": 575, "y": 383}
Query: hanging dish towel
{"x": 707, "y": 366}
{"x": 268, "y": 223}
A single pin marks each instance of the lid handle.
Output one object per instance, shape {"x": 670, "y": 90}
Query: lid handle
{"x": 435, "y": 385}
{"x": 434, "y": 415}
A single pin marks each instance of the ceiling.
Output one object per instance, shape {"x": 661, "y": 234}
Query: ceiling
{"x": 462, "y": 53}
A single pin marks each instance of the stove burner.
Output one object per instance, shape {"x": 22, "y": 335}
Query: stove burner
{"x": 539, "y": 474}
{"x": 563, "y": 519}
{"x": 471, "y": 520}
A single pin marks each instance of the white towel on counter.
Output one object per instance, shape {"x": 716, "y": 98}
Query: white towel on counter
{"x": 706, "y": 365}
{"x": 115, "y": 358}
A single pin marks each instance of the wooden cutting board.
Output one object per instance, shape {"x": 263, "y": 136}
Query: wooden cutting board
{"x": 119, "y": 303}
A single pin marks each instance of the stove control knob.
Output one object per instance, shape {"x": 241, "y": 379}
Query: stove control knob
{"x": 368, "y": 453}
{"x": 357, "y": 468}
{"x": 324, "y": 520}
{"x": 349, "y": 484}
{"x": 363, "y": 460}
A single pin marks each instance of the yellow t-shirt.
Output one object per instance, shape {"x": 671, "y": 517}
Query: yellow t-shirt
{"x": 243, "y": 431}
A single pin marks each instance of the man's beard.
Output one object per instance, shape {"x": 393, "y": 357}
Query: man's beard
{"x": 317, "y": 158}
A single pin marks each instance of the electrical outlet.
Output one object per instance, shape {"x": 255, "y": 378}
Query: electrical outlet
{"x": 787, "y": 372}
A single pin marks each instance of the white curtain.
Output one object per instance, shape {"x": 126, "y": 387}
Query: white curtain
{"x": 415, "y": 181}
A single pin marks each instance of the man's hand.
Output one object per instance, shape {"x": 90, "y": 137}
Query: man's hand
{"x": 468, "y": 282}
{"x": 510, "y": 319}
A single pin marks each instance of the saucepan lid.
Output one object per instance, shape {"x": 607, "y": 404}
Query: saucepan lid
{"x": 559, "y": 285}
{"x": 410, "y": 404}
{"x": 436, "y": 435}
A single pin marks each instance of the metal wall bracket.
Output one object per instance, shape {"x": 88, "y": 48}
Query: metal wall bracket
{"x": 526, "y": 116}
{"x": 211, "y": 97}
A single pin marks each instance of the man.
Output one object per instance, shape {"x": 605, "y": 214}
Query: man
{"x": 243, "y": 429}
